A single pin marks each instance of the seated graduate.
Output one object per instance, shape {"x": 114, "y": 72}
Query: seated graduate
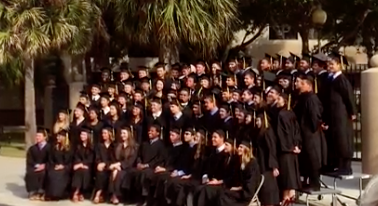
{"x": 215, "y": 172}
{"x": 177, "y": 164}
{"x": 178, "y": 188}
{"x": 249, "y": 180}
{"x": 152, "y": 155}
{"x": 104, "y": 156}
{"x": 59, "y": 167}
{"x": 126, "y": 153}
{"x": 264, "y": 143}
{"x": 36, "y": 165}
{"x": 82, "y": 165}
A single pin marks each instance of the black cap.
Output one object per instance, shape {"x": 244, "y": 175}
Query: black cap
{"x": 293, "y": 57}
{"x": 156, "y": 100}
{"x": 230, "y": 141}
{"x": 285, "y": 75}
{"x": 270, "y": 57}
{"x": 112, "y": 85}
{"x": 246, "y": 143}
{"x": 105, "y": 69}
{"x": 175, "y": 130}
{"x": 193, "y": 76}
{"x": 190, "y": 129}
{"x": 320, "y": 57}
{"x": 220, "y": 133}
{"x": 138, "y": 105}
{"x": 95, "y": 109}
{"x": 108, "y": 127}
{"x": 62, "y": 132}
{"x": 122, "y": 94}
{"x": 128, "y": 82}
{"x": 145, "y": 80}
{"x": 201, "y": 62}
{"x": 204, "y": 77}
{"x": 175, "y": 101}
{"x": 306, "y": 76}
{"x": 278, "y": 88}
{"x": 84, "y": 94}
{"x": 81, "y": 106}
{"x": 42, "y": 130}
{"x": 236, "y": 90}
{"x": 105, "y": 95}
{"x": 86, "y": 129}
{"x": 256, "y": 91}
{"x": 226, "y": 107}
{"x": 96, "y": 85}
{"x": 306, "y": 57}
{"x": 216, "y": 90}
{"x": 338, "y": 57}
{"x": 269, "y": 76}
{"x": 252, "y": 71}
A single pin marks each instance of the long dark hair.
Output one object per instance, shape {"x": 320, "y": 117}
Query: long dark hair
{"x": 122, "y": 152}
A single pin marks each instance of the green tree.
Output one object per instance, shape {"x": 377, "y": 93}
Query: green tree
{"x": 201, "y": 25}
{"x": 31, "y": 29}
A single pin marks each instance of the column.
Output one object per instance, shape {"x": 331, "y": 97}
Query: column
{"x": 369, "y": 114}
{"x": 48, "y": 103}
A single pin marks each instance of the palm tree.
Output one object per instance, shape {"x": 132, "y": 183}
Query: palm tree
{"x": 30, "y": 29}
{"x": 204, "y": 25}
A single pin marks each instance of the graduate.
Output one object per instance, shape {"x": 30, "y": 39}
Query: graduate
{"x": 76, "y": 125}
{"x": 339, "y": 120}
{"x": 157, "y": 116}
{"x": 215, "y": 172}
{"x": 177, "y": 164}
{"x": 36, "y": 166}
{"x": 95, "y": 124}
{"x": 123, "y": 166}
{"x": 59, "y": 167}
{"x": 249, "y": 179}
{"x": 264, "y": 146}
{"x": 152, "y": 155}
{"x": 104, "y": 156}
{"x": 309, "y": 115}
{"x": 177, "y": 118}
{"x": 82, "y": 165}
{"x": 136, "y": 122}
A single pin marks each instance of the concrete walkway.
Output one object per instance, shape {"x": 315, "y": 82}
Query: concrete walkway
{"x": 12, "y": 189}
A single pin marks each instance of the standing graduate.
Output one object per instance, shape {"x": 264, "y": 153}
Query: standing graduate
{"x": 342, "y": 112}
{"x": 249, "y": 180}
{"x": 59, "y": 167}
{"x": 126, "y": 153}
{"x": 104, "y": 156}
{"x": 95, "y": 124}
{"x": 36, "y": 166}
{"x": 177, "y": 119}
{"x": 153, "y": 154}
{"x": 157, "y": 116}
{"x": 136, "y": 122}
{"x": 114, "y": 119}
{"x": 309, "y": 113}
{"x": 287, "y": 132}
{"x": 212, "y": 120}
{"x": 82, "y": 165}
{"x": 77, "y": 124}
{"x": 264, "y": 144}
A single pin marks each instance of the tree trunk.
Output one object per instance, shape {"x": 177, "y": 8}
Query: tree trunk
{"x": 30, "y": 113}
{"x": 304, "y": 35}
{"x": 168, "y": 54}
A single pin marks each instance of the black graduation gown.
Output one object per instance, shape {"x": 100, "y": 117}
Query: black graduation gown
{"x": 341, "y": 108}
{"x": 227, "y": 126}
{"x": 212, "y": 122}
{"x": 58, "y": 180}
{"x": 161, "y": 121}
{"x": 182, "y": 122}
{"x": 117, "y": 124}
{"x": 187, "y": 110}
{"x": 105, "y": 155}
{"x": 178, "y": 160}
{"x": 264, "y": 143}
{"x": 154, "y": 154}
{"x": 96, "y": 131}
{"x": 178, "y": 189}
{"x": 35, "y": 181}
{"x": 216, "y": 169}
{"x": 314, "y": 151}
{"x": 199, "y": 122}
{"x": 288, "y": 136}
{"x": 75, "y": 130}
{"x": 82, "y": 178}
{"x": 322, "y": 80}
{"x": 123, "y": 178}
{"x": 138, "y": 131}
{"x": 96, "y": 103}
{"x": 250, "y": 180}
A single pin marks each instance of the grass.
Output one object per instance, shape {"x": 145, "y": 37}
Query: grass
{"x": 12, "y": 145}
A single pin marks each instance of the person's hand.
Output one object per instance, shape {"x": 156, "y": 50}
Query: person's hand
{"x": 324, "y": 126}
{"x": 101, "y": 166}
{"x": 353, "y": 117}
{"x": 185, "y": 177}
{"x": 159, "y": 169}
{"x": 236, "y": 188}
{"x": 174, "y": 174}
{"x": 140, "y": 166}
{"x": 85, "y": 167}
{"x": 58, "y": 167}
{"x": 118, "y": 167}
{"x": 77, "y": 166}
{"x": 296, "y": 150}
{"x": 275, "y": 172}
{"x": 214, "y": 182}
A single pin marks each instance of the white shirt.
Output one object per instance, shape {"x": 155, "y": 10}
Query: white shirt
{"x": 184, "y": 104}
{"x": 177, "y": 144}
{"x": 177, "y": 116}
{"x": 96, "y": 97}
{"x": 157, "y": 114}
{"x": 214, "y": 110}
{"x": 336, "y": 75}
{"x": 154, "y": 140}
{"x": 227, "y": 118}
{"x": 321, "y": 72}
{"x": 106, "y": 110}
{"x": 221, "y": 148}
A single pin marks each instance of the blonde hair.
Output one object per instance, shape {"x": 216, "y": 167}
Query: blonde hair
{"x": 58, "y": 126}
{"x": 246, "y": 157}
{"x": 200, "y": 146}
{"x": 65, "y": 145}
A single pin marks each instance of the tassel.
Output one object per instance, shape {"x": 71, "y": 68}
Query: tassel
{"x": 254, "y": 118}
{"x": 214, "y": 100}
{"x": 66, "y": 141}
{"x": 316, "y": 85}
{"x": 243, "y": 63}
{"x": 116, "y": 89}
{"x": 149, "y": 81}
{"x": 113, "y": 135}
{"x": 226, "y": 134}
{"x": 111, "y": 75}
{"x": 91, "y": 137}
{"x": 161, "y": 133}
{"x": 236, "y": 80}
{"x": 265, "y": 119}
{"x": 221, "y": 81}
{"x": 234, "y": 146}
{"x": 207, "y": 67}
{"x": 289, "y": 102}
{"x": 199, "y": 92}
{"x": 206, "y": 134}
{"x": 131, "y": 131}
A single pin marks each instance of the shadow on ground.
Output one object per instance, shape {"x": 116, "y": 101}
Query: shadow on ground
{"x": 17, "y": 190}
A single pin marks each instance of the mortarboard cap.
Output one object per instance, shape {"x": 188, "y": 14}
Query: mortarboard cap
{"x": 86, "y": 129}
{"x": 338, "y": 57}
{"x": 42, "y": 130}
{"x": 320, "y": 57}
{"x": 284, "y": 75}
{"x": 216, "y": 90}
{"x": 62, "y": 132}
{"x": 156, "y": 100}
{"x": 278, "y": 88}
{"x": 175, "y": 130}
{"x": 246, "y": 143}
{"x": 175, "y": 101}
{"x": 230, "y": 141}
{"x": 225, "y": 106}
{"x": 305, "y": 76}
{"x": 96, "y": 86}
{"x": 220, "y": 132}
{"x": 193, "y": 76}
{"x": 81, "y": 107}
{"x": 269, "y": 76}
{"x": 105, "y": 95}
{"x": 138, "y": 105}
{"x": 122, "y": 94}
{"x": 108, "y": 127}
{"x": 190, "y": 129}
{"x": 105, "y": 69}
{"x": 145, "y": 80}
{"x": 306, "y": 57}
{"x": 84, "y": 94}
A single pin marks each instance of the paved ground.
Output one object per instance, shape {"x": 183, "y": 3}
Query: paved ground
{"x": 12, "y": 191}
